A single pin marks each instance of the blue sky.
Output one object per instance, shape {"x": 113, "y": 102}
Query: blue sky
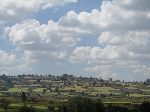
{"x": 81, "y": 37}
{"x": 55, "y": 13}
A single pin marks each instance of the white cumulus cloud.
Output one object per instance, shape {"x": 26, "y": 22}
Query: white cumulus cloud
{"x": 123, "y": 27}
{"x": 124, "y": 39}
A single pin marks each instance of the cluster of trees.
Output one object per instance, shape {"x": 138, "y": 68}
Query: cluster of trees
{"x": 85, "y": 104}
{"x": 4, "y": 104}
{"x": 78, "y": 104}
{"x": 148, "y": 81}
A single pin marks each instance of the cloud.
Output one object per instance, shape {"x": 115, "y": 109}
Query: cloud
{"x": 6, "y": 59}
{"x": 122, "y": 25}
{"x": 135, "y": 5}
{"x": 14, "y": 9}
{"x": 52, "y": 3}
{"x": 49, "y": 40}
{"x": 111, "y": 16}
{"x": 10, "y": 63}
{"x": 124, "y": 30}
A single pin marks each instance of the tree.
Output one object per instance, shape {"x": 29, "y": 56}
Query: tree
{"x": 98, "y": 106}
{"x": 7, "y": 80}
{"x": 57, "y": 89}
{"x": 148, "y": 81}
{"x": 145, "y": 107}
{"x": 50, "y": 109}
{"x": 24, "y": 98}
{"x": 27, "y": 109}
{"x": 118, "y": 109}
{"x": 4, "y": 104}
{"x": 44, "y": 91}
{"x": 64, "y": 109}
{"x": 94, "y": 83}
{"x": 38, "y": 81}
{"x": 85, "y": 104}
{"x": 30, "y": 90}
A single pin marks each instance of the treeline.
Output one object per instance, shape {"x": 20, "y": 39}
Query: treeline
{"x": 78, "y": 104}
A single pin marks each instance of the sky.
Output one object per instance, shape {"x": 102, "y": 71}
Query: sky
{"x": 93, "y": 38}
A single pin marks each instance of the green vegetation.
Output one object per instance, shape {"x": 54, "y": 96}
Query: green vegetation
{"x": 41, "y": 93}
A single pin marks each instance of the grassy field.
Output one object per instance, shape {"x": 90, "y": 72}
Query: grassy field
{"x": 17, "y": 89}
{"x": 42, "y": 99}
